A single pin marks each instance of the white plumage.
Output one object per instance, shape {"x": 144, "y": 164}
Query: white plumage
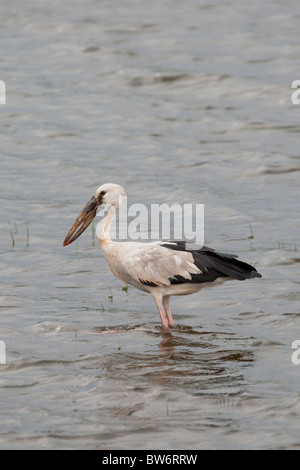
{"x": 160, "y": 268}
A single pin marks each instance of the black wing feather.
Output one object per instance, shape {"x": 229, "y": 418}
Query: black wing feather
{"x": 213, "y": 265}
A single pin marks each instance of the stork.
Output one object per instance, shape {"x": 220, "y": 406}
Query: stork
{"x": 161, "y": 268}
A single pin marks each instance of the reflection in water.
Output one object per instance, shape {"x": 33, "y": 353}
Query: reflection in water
{"x": 185, "y": 358}
{"x": 185, "y": 362}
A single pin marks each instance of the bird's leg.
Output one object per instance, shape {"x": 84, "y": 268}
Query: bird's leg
{"x": 158, "y": 298}
{"x": 166, "y": 304}
{"x": 162, "y": 316}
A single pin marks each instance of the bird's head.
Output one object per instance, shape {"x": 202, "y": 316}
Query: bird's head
{"x": 108, "y": 196}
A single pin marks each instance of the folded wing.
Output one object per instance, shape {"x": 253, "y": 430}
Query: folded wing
{"x": 166, "y": 263}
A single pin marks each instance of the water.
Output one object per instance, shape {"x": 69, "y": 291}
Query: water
{"x": 185, "y": 102}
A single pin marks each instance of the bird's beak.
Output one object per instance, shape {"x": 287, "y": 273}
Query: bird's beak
{"x": 83, "y": 220}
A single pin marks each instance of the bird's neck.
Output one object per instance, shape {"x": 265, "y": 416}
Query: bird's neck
{"x": 104, "y": 236}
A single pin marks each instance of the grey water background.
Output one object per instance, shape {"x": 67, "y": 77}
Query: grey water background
{"x": 185, "y": 102}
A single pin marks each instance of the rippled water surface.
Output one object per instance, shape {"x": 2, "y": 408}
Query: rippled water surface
{"x": 185, "y": 102}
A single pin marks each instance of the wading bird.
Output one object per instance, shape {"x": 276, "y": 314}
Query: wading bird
{"x": 162, "y": 268}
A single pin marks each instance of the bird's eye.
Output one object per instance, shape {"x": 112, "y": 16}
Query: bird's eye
{"x": 100, "y": 196}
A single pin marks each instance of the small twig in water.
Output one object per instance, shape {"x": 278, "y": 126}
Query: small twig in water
{"x": 12, "y": 239}
{"x": 93, "y": 231}
{"x": 251, "y": 236}
{"x": 27, "y": 232}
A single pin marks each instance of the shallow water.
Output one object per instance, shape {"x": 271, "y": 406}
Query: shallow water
{"x": 185, "y": 102}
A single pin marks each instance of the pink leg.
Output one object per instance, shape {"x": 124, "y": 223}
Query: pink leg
{"x": 160, "y": 302}
{"x": 162, "y": 317}
{"x": 169, "y": 315}
{"x": 166, "y": 302}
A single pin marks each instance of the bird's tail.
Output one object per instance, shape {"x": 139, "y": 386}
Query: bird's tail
{"x": 226, "y": 265}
